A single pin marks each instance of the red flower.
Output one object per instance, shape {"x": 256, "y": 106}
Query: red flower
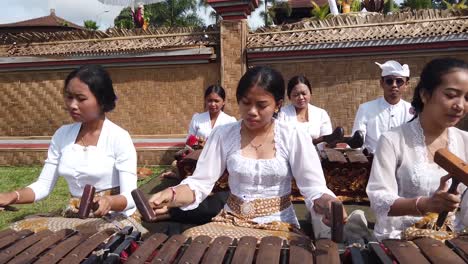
{"x": 191, "y": 141}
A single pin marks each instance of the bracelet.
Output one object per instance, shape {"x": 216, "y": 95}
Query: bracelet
{"x": 173, "y": 194}
{"x": 417, "y": 208}
{"x": 17, "y": 196}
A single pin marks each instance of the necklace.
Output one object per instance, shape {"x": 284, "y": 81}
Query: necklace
{"x": 85, "y": 146}
{"x": 432, "y": 151}
{"x": 256, "y": 147}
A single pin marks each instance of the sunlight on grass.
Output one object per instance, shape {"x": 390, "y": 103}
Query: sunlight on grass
{"x": 12, "y": 178}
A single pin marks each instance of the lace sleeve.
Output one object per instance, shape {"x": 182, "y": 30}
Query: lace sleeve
{"x": 210, "y": 166}
{"x": 382, "y": 188}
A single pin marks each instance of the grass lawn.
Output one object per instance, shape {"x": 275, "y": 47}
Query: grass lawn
{"x": 12, "y": 178}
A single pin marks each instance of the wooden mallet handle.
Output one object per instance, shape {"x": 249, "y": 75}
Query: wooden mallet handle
{"x": 143, "y": 206}
{"x": 337, "y": 222}
{"x": 457, "y": 168}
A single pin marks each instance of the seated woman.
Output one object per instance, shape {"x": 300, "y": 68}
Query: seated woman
{"x": 262, "y": 155}
{"x": 201, "y": 127}
{"x": 313, "y": 119}
{"x": 203, "y": 123}
{"x": 94, "y": 151}
{"x": 405, "y": 183}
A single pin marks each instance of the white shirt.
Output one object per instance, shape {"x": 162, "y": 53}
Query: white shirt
{"x": 110, "y": 164}
{"x": 250, "y": 178}
{"x": 378, "y": 116}
{"x": 200, "y": 125}
{"x": 401, "y": 169}
{"x": 319, "y": 123}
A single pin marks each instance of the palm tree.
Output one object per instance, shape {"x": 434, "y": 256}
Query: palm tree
{"x": 90, "y": 24}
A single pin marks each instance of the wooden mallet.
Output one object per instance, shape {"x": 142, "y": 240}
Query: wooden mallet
{"x": 86, "y": 202}
{"x": 457, "y": 168}
{"x": 143, "y": 206}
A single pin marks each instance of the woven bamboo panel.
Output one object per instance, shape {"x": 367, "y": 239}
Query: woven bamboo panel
{"x": 426, "y": 23}
{"x": 149, "y": 157}
{"x": 22, "y": 157}
{"x": 340, "y": 85}
{"x": 32, "y": 103}
{"x": 151, "y": 101}
{"x": 27, "y": 157}
{"x": 160, "y": 100}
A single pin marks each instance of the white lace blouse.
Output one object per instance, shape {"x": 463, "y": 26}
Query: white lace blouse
{"x": 111, "y": 163}
{"x": 319, "y": 123}
{"x": 401, "y": 169}
{"x": 200, "y": 125}
{"x": 250, "y": 178}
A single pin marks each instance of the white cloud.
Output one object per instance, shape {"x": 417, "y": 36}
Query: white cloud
{"x": 77, "y": 11}
{"x": 74, "y": 11}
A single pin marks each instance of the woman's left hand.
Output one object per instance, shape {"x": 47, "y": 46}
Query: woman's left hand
{"x": 323, "y": 206}
{"x": 105, "y": 204}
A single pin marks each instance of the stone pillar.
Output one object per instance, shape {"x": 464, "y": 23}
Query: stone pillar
{"x": 233, "y": 41}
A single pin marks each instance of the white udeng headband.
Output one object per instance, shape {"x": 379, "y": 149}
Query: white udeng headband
{"x": 392, "y": 67}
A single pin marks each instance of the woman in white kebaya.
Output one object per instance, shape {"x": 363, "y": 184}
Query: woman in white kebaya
{"x": 93, "y": 150}
{"x": 262, "y": 155}
{"x": 203, "y": 123}
{"x": 405, "y": 183}
{"x": 314, "y": 120}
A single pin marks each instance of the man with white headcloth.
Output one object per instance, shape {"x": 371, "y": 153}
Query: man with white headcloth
{"x": 384, "y": 113}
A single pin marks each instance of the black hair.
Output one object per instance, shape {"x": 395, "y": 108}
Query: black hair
{"x": 431, "y": 77}
{"x": 217, "y": 89}
{"x": 99, "y": 83}
{"x": 266, "y": 78}
{"x": 295, "y": 81}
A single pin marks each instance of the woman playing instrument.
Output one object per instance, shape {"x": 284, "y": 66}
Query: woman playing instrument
{"x": 262, "y": 155}
{"x": 93, "y": 150}
{"x": 405, "y": 183}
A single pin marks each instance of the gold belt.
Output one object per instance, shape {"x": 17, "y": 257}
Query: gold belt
{"x": 258, "y": 207}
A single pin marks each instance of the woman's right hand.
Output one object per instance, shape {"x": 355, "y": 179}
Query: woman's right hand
{"x": 441, "y": 200}
{"x": 160, "y": 201}
{"x": 7, "y": 198}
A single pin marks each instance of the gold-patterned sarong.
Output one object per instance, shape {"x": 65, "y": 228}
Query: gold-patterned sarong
{"x": 238, "y": 222}
{"x": 427, "y": 227}
{"x": 68, "y": 219}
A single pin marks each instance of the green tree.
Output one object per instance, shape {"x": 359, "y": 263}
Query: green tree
{"x": 390, "y": 6}
{"x": 169, "y": 13}
{"x": 90, "y": 24}
{"x": 124, "y": 19}
{"x": 417, "y": 4}
{"x": 454, "y": 6}
{"x": 278, "y": 11}
{"x": 320, "y": 12}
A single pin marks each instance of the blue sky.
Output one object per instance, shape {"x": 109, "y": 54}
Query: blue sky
{"x": 77, "y": 11}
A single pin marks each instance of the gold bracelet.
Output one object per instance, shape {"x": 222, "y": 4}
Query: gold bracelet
{"x": 417, "y": 209}
{"x": 17, "y": 196}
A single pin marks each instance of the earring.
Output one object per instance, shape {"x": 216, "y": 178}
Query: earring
{"x": 276, "y": 110}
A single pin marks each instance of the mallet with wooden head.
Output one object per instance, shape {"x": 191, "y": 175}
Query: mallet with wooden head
{"x": 143, "y": 206}
{"x": 86, "y": 202}
{"x": 457, "y": 168}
